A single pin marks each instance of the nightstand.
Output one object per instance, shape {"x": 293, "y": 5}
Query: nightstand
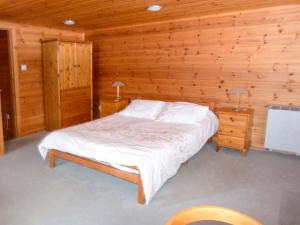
{"x": 111, "y": 106}
{"x": 234, "y": 129}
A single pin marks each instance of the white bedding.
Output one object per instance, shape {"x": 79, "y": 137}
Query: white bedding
{"x": 156, "y": 148}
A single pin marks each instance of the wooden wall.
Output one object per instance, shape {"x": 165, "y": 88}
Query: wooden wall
{"x": 30, "y": 83}
{"x": 203, "y": 58}
{"x": 5, "y": 85}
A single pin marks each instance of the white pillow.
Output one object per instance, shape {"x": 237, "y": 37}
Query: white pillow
{"x": 183, "y": 112}
{"x": 148, "y": 109}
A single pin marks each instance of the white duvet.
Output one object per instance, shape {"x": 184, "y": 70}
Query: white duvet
{"x": 157, "y": 149}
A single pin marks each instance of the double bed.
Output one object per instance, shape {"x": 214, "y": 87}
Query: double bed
{"x": 144, "y": 151}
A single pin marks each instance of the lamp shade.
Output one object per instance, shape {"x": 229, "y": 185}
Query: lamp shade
{"x": 118, "y": 84}
{"x": 237, "y": 91}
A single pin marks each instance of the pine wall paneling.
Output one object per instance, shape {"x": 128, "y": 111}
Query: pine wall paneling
{"x": 203, "y": 58}
{"x": 27, "y": 50}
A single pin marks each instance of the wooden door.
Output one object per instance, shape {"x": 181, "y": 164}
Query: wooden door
{"x": 67, "y": 65}
{"x": 51, "y": 85}
{"x": 76, "y": 98}
{"x": 84, "y": 64}
{"x": 6, "y": 87}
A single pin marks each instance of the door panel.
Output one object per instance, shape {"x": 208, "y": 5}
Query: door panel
{"x": 67, "y": 65}
{"x": 6, "y": 87}
{"x": 51, "y": 85}
{"x": 84, "y": 64}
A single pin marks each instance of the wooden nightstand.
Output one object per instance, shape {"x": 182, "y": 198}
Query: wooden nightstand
{"x": 111, "y": 106}
{"x": 234, "y": 129}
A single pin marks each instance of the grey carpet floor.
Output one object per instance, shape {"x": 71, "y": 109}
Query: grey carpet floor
{"x": 263, "y": 185}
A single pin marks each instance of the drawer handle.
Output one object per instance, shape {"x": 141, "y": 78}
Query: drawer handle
{"x": 232, "y": 120}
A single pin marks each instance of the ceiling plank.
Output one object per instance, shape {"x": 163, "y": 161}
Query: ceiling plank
{"x": 101, "y": 14}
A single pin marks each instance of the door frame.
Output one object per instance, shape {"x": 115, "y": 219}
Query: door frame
{"x": 14, "y": 80}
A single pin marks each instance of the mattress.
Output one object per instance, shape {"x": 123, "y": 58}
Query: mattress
{"x": 156, "y": 148}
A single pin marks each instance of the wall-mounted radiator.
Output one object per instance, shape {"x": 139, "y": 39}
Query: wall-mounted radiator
{"x": 283, "y": 129}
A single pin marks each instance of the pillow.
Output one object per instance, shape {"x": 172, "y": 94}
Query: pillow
{"x": 148, "y": 109}
{"x": 183, "y": 112}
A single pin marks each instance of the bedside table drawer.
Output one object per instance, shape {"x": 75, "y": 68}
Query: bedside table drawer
{"x": 232, "y": 142}
{"x": 233, "y": 120}
{"x": 232, "y": 131}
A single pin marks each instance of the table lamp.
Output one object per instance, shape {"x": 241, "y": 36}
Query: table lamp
{"x": 238, "y": 91}
{"x": 118, "y": 84}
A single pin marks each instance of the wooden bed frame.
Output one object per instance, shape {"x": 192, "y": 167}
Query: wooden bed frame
{"x": 131, "y": 177}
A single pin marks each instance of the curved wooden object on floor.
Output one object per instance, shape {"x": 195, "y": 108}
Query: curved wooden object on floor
{"x": 211, "y": 213}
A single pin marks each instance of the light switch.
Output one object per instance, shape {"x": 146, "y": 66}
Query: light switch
{"x": 23, "y": 67}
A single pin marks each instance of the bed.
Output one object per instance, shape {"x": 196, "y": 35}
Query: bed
{"x": 145, "y": 151}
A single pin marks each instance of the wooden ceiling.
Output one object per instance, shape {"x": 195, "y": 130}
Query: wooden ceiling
{"x": 93, "y": 14}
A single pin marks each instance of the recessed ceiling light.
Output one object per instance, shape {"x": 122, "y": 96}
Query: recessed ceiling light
{"x": 69, "y": 22}
{"x": 154, "y": 8}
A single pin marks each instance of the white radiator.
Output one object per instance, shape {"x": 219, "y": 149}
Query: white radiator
{"x": 283, "y": 129}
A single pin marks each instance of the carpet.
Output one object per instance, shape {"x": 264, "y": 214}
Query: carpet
{"x": 264, "y": 185}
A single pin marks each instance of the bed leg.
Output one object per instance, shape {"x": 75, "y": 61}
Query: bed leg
{"x": 51, "y": 159}
{"x": 185, "y": 163}
{"x": 141, "y": 195}
{"x": 217, "y": 148}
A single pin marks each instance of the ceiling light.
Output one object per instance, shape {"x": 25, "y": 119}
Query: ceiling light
{"x": 69, "y": 22}
{"x": 154, "y": 8}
